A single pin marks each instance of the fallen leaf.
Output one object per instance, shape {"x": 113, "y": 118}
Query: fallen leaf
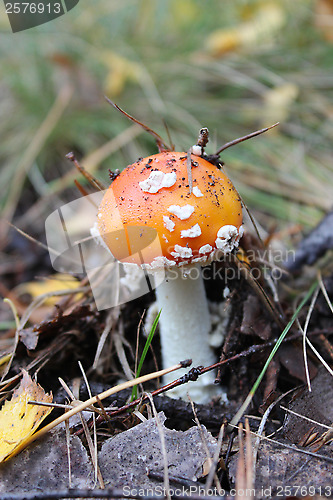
{"x": 29, "y": 337}
{"x": 278, "y": 103}
{"x": 267, "y": 20}
{"x": 292, "y": 358}
{"x": 43, "y": 466}
{"x": 316, "y": 405}
{"x": 53, "y": 327}
{"x": 18, "y": 419}
{"x": 284, "y": 471}
{"x": 253, "y": 322}
{"x": 53, "y": 283}
{"x": 120, "y": 71}
{"x": 125, "y": 458}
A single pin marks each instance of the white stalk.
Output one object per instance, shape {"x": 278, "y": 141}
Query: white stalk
{"x": 184, "y": 331}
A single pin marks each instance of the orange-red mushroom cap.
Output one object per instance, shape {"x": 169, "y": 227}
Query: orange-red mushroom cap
{"x": 148, "y": 215}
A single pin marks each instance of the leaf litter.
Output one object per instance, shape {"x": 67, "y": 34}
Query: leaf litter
{"x": 252, "y": 316}
{"x": 126, "y": 458}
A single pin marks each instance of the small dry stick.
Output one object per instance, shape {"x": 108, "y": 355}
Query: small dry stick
{"x": 244, "y": 138}
{"x": 162, "y": 146}
{"x": 233, "y": 143}
{"x": 92, "y": 180}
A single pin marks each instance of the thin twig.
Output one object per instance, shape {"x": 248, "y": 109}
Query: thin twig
{"x": 244, "y": 138}
{"x": 248, "y": 352}
{"x": 159, "y": 141}
{"x": 90, "y": 178}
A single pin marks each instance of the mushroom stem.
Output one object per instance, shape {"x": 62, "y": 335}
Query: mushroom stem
{"x": 184, "y": 331}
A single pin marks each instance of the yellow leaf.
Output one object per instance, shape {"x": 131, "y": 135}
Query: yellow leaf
{"x": 18, "y": 419}
{"x": 268, "y": 19}
{"x": 120, "y": 70}
{"x": 278, "y": 103}
{"x": 54, "y": 283}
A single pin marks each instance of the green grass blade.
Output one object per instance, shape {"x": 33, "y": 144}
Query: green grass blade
{"x": 144, "y": 353}
{"x": 7, "y": 325}
{"x": 249, "y": 397}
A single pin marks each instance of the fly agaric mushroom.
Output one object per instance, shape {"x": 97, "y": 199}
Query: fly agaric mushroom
{"x": 195, "y": 226}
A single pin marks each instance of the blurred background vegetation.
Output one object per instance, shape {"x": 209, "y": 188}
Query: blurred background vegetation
{"x": 233, "y": 66}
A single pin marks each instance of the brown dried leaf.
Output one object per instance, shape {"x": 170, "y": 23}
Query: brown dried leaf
{"x": 317, "y": 405}
{"x": 291, "y": 357}
{"x": 284, "y": 471}
{"x": 253, "y": 322}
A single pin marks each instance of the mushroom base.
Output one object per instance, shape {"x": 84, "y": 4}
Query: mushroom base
{"x": 184, "y": 330}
